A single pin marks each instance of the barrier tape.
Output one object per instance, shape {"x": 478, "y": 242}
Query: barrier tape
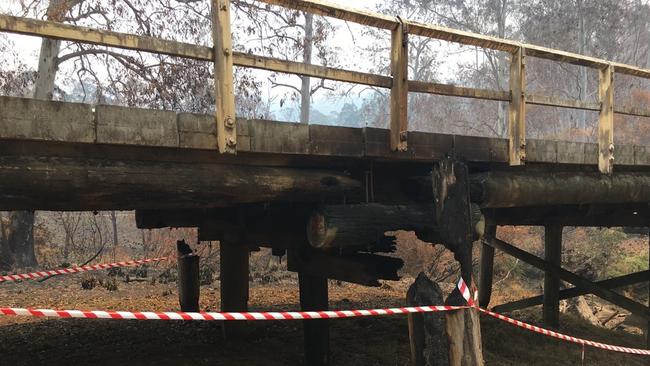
{"x": 179, "y": 315}
{"x": 286, "y": 315}
{"x": 62, "y": 271}
{"x": 533, "y": 328}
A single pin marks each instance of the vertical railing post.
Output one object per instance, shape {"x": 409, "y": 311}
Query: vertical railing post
{"x": 223, "y": 77}
{"x": 606, "y": 121}
{"x": 399, "y": 89}
{"x": 517, "y": 110}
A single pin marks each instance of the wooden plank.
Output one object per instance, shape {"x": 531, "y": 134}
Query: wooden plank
{"x": 624, "y": 155}
{"x": 631, "y": 111}
{"x": 599, "y": 215}
{"x": 399, "y": 89}
{"x": 223, "y": 77}
{"x": 196, "y": 131}
{"x": 544, "y": 100}
{"x": 279, "y": 137}
{"x": 336, "y": 141}
{"x": 517, "y": 109}
{"x": 568, "y": 293}
{"x": 474, "y": 148}
{"x": 541, "y": 151}
{"x": 606, "y": 121}
{"x": 605, "y": 294}
{"x": 461, "y": 37}
{"x": 67, "y": 32}
{"x": 133, "y": 126}
{"x": 299, "y": 68}
{"x": 570, "y": 152}
{"x": 457, "y": 91}
{"x": 641, "y": 155}
{"x": 327, "y": 9}
{"x": 552, "y": 254}
{"x": 23, "y": 118}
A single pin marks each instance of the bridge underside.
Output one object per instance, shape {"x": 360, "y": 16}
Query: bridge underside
{"x": 66, "y": 156}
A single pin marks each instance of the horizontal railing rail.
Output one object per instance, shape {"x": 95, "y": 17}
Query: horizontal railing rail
{"x": 225, "y": 58}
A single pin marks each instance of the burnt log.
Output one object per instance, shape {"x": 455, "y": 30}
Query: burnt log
{"x": 58, "y": 183}
{"x": 517, "y": 189}
{"x": 188, "y": 277}
{"x": 360, "y": 268}
{"x": 363, "y": 226}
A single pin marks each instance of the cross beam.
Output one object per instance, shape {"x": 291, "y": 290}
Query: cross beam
{"x": 604, "y": 293}
{"x": 626, "y": 280}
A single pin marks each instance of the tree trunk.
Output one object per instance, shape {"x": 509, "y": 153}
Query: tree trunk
{"x": 21, "y": 239}
{"x": 305, "y": 88}
{"x": 115, "y": 238}
{"x": 6, "y": 257}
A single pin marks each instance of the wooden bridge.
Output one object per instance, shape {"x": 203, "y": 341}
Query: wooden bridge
{"x": 326, "y": 194}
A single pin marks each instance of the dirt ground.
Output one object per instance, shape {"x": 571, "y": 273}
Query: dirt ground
{"x": 361, "y": 341}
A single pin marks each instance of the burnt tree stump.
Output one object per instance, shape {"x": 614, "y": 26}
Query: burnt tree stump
{"x": 429, "y": 344}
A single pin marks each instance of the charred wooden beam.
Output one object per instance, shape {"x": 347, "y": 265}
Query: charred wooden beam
{"x": 54, "y": 183}
{"x": 517, "y": 189}
{"x": 362, "y": 226}
{"x": 605, "y": 294}
{"x": 612, "y": 283}
{"x": 454, "y": 215}
{"x": 360, "y": 268}
{"x": 603, "y": 215}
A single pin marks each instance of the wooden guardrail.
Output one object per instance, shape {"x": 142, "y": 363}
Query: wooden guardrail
{"x": 225, "y": 58}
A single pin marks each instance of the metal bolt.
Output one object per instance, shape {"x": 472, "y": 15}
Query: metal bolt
{"x": 611, "y": 148}
{"x": 523, "y": 145}
{"x": 231, "y": 141}
{"x": 402, "y": 136}
{"x": 226, "y": 51}
{"x": 229, "y": 122}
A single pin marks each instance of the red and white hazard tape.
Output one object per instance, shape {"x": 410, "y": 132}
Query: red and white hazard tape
{"x": 62, "y": 271}
{"x": 533, "y": 328}
{"x": 178, "y": 315}
{"x": 564, "y": 337}
{"x": 287, "y": 315}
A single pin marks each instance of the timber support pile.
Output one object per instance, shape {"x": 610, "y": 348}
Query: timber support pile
{"x": 189, "y": 286}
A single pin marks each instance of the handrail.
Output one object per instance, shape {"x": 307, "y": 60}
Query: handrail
{"x": 400, "y": 28}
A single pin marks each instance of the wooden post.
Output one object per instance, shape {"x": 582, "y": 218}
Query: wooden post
{"x": 606, "y": 121}
{"x": 313, "y": 296}
{"x": 234, "y": 281}
{"x": 552, "y": 254}
{"x": 188, "y": 277}
{"x": 464, "y": 336}
{"x": 517, "y": 109}
{"x": 647, "y": 329}
{"x": 486, "y": 268}
{"x": 399, "y": 89}
{"x": 224, "y": 90}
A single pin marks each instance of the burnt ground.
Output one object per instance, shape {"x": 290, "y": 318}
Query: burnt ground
{"x": 361, "y": 341}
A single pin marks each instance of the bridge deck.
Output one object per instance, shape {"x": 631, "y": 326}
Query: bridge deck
{"x": 48, "y": 122}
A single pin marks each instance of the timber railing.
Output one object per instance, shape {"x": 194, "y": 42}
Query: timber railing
{"x": 224, "y": 58}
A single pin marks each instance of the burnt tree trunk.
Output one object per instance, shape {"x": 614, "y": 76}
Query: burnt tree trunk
{"x": 20, "y": 238}
{"x": 429, "y": 345}
{"x": 189, "y": 288}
